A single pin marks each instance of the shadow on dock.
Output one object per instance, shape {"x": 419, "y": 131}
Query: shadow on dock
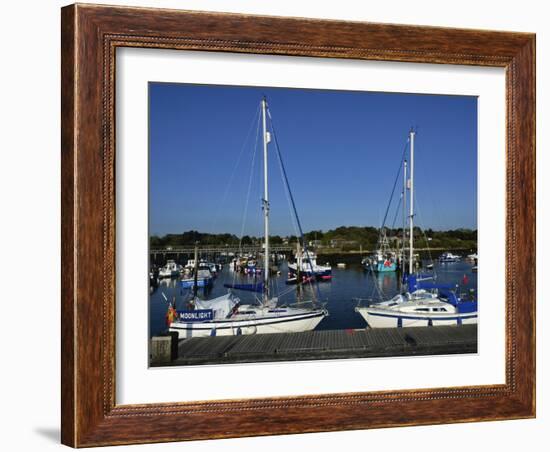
{"x": 311, "y": 345}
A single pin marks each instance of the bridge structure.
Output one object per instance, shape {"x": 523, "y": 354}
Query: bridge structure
{"x": 214, "y": 251}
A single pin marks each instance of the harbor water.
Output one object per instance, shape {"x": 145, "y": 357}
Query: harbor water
{"x": 340, "y": 295}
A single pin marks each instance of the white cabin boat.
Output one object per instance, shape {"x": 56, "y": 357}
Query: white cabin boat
{"x": 425, "y": 303}
{"x": 420, "y": 308}
{"x": 225, "y": 316}
{"x": 449, "y": 257}
{"x": 306, "y": 262}
{"x": 170, "y": 269}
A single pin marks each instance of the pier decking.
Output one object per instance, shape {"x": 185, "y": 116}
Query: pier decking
{"x": 384, "y": 342}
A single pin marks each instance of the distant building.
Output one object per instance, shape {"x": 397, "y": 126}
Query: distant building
{"x": 339, "y": 243}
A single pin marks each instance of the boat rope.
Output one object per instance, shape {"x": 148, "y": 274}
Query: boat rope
{"x": 222, "y": 203}
{"x": 417, "y": 208}
{"x": 249, "y": 189}
{"x": 287, "y": 185}
{"x": 395, "y": 183}
{"x": 397, "y": 209}
{"x": 307, "y": 281}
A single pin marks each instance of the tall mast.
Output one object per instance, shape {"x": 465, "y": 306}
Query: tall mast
{"x": 196, "y": 271}
{"x": 404, "y": 213}
{"x": 411, "y": 211}
{"x": 265, "y": 204}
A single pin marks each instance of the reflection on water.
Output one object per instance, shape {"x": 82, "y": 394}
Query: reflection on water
{"x": 340, "y": 294}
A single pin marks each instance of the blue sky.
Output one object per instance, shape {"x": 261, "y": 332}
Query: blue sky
{"x": 341, "y": 150}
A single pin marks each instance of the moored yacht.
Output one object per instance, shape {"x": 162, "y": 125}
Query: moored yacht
{"x": 424, "y": 303}
{"x": 226, "y": 315}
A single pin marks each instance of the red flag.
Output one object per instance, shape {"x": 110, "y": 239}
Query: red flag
{"x": 465, "y": 279}
{"x": 171, "y": 315}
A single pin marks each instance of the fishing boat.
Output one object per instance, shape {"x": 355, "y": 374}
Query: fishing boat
{"x": 226, "y": 315}
{"x": 424, "y": 302}
{"x": 203, "y": 279}
{"x": 210, "y": 266}
{"x": 153, "y": 278}
{"x": 213, "y": 268}
{"x": 306, "y": 264}
{"x": 383, "y": 259}
{"x": 449, "y": 257}
{"x": 386, "y": 259}
{"x": 251, "y": 266}
{"x": 170, "y": 269}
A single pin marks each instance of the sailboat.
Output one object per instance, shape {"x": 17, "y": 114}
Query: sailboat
{"x": 226, "y": 315}
{"x": 424, "y": 303}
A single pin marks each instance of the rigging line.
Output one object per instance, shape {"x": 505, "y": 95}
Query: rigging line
{"x": 424, "y": 234}
{"x": 245, "y": 211}
{"x": 249, "y": 189}
{"x": 395, "y": 182}
{"x": 234, "y": 171}
{"x": 255, "y": 120}
{"x": 289, "y": 202}
{"x": 292, "y": 220}
{"x": 376, "y": 286}
{"x": 298, "y": 223}
{"x": 397, "y": 211}
{"x": 285, "y": 177}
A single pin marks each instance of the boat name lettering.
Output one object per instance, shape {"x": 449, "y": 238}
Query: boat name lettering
{"x": 197, "y": 314}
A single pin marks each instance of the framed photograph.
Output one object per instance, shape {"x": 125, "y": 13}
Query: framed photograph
{"x": 281, "y": 225}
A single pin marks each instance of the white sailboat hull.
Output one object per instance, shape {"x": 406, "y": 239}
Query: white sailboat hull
{"x": 232, "y": 327}
{"x": 388, "y": 318}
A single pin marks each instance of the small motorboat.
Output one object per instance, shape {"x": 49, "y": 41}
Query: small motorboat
{"x": 170, "y": 269}
{"x": 449, "y": 257}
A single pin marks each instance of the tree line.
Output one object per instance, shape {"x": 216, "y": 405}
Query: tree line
{"x": 345, "y": 238}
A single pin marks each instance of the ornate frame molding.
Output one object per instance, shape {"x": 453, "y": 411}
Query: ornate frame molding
{"x": 90, "y": 37}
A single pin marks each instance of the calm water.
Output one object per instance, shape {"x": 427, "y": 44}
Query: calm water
{"x": 340, "y": 294}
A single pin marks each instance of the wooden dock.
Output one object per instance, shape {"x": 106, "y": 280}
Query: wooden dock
{"x": 368, "y": 343}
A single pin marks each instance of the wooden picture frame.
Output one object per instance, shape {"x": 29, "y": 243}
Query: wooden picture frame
{"x": 90, "y": 36}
